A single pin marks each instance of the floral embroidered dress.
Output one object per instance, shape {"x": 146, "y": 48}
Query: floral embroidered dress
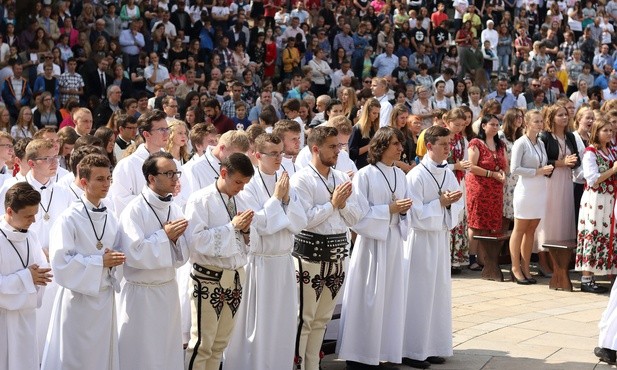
{"x": 511, "y": 179}
{"x": 595, "y": 244}
{"x": 484, "y": 194}
{"x": 459, "y": 243}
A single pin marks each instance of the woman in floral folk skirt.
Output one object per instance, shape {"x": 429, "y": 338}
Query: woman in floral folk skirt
{"x": 596, "y": 240}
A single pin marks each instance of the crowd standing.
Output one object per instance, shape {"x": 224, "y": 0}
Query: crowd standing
{"x": 254, "y": 145}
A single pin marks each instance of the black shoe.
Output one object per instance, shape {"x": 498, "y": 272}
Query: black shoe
{"x": 605, "y": 355}
{"x": 435, "y": 360}
{"x": 416, "y": 363}
{"x": 522, "y": 281}
{"x": 353, "y": 365}
{"x": 531, "y": 280}
{"x": 455, "y": 270}
{"x": 593, "y": 287}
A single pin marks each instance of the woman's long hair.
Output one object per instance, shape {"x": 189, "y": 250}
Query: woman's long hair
{"x": 105, "y": 134}
{"x": 364, "y": 123}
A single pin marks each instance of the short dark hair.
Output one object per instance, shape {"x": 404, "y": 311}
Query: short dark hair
{"x": 212, "y": 103}
{"x": 145, "y": 120}
{"x": 20, "y": 147}
{"x": 89, "y": 162}
{"x": 200, "y": 131}
{"x": 238, "y": 163}
{"x": 292, "y": 105}
{"x": 381, "y": 141}
{"x": 80, "y": 153}
{"x": 150, "y": 166}
{"x": 124, "y": 119}
{"x": 20, "y": 196}
{"x": 88, "y": 140}
{"x": 320, "y": 134}
{"x": 268, "y": 116}
{"x": 433, "y": 133}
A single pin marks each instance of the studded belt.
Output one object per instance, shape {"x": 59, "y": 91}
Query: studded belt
{"x": 318, "y": 247}
{"x": 207, "y": 273}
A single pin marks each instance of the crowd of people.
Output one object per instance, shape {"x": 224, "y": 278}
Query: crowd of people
{"x": 254, "y": 145}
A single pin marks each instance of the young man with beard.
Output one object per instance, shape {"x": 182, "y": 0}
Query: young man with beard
{"x": 261, "y": 338}
{"x": 332, "y": 208}
{"x": 289, "y": 132}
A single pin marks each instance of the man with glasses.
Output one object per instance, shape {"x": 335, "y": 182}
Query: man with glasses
{"x": 108, "y": 106}
{"x": 127, "y": 131}
{"x": 261, "y": 337}
{"x": 219, "y": 225}
{"x": 128, "y": 181}
{"x": 43, "y": 159}
{"x": 50, "y": 134}
{"x": 332, "y": 208}
{"x": 151, "y": 236}
{"x": 170, "y": 107}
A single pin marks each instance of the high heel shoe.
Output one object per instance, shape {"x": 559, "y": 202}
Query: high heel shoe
{"x": 522, "y": 281}
{"x": 530, "y": 279}
{"x": 543, "y": 273}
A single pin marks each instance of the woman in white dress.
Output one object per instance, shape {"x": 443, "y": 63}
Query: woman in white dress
{"x": 529, "y": 163}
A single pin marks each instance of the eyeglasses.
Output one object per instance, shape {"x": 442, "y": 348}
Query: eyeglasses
{"x": 172, "y": 106}
{"x": 162, "y": 130}
{"x": 367, "y": 81}
{"x": 171, "y": 174}
{"x": 9, "y": 146}
{"x": 48, "y": 160}
{"x": 273, "y": 155}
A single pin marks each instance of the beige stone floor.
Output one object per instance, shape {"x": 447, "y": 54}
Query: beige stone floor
{"x": 505, "y": 326}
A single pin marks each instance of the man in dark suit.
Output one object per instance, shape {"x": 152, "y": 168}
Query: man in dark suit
{"x": 97, "y": 80}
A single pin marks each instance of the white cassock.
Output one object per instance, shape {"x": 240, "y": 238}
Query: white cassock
{"x": 263, "y": 337}
{"x": 128, "y": 179}
{"x": 150, "y": 336}
{"x": 608, "y": 323}
{"x": 200, "y": 174}
{"x": 373, "y": 309}
{"x": 19, "y": 298}
{"x": 289, "y": 166}
{"x": 428, "y": 325}
{"x": 77, "y": 192}
{"x": 54, "y": 201}
{"x": 343, "y": 162}
{"x": 5, "y": 174}
{"x": 83, "y": 332}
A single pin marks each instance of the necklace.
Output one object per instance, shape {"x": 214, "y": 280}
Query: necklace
{"x": 46, "y": 215}
{"x": 229, "y": 213}
{"x": 99, "y": 243}
{"x": 25, "y": 265}
{"x": 392, "y": 190}
{"x": 263, "y": 182}
{"x": 539, "y": 154}
{"x": 439, "y": 192}
{"x": 211, "y": 166}
{"x": 324, "y": 181}
{"x": 155, "y": 215}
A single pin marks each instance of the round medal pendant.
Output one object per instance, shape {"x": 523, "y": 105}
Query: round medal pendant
{"x": 46, "y": 217}
{"x": 99, "y": 245}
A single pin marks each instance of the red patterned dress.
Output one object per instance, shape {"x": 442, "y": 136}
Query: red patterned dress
{"x": 594, "y": 247}
{"x": 485, "y": 194}
{"x": 459, "y": 242}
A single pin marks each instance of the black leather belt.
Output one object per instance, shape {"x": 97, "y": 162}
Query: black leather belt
{"x": 207, "y": 273}
{"x": 320, "y": 248}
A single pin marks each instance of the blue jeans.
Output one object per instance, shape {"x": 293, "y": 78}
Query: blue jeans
{"x": 504, "y": 63}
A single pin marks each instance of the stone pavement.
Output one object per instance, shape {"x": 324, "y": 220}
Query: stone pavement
{"x": 505, "y": 326}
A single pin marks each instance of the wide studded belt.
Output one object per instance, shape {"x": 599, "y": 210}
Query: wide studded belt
{"x": 317, "y": 247}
